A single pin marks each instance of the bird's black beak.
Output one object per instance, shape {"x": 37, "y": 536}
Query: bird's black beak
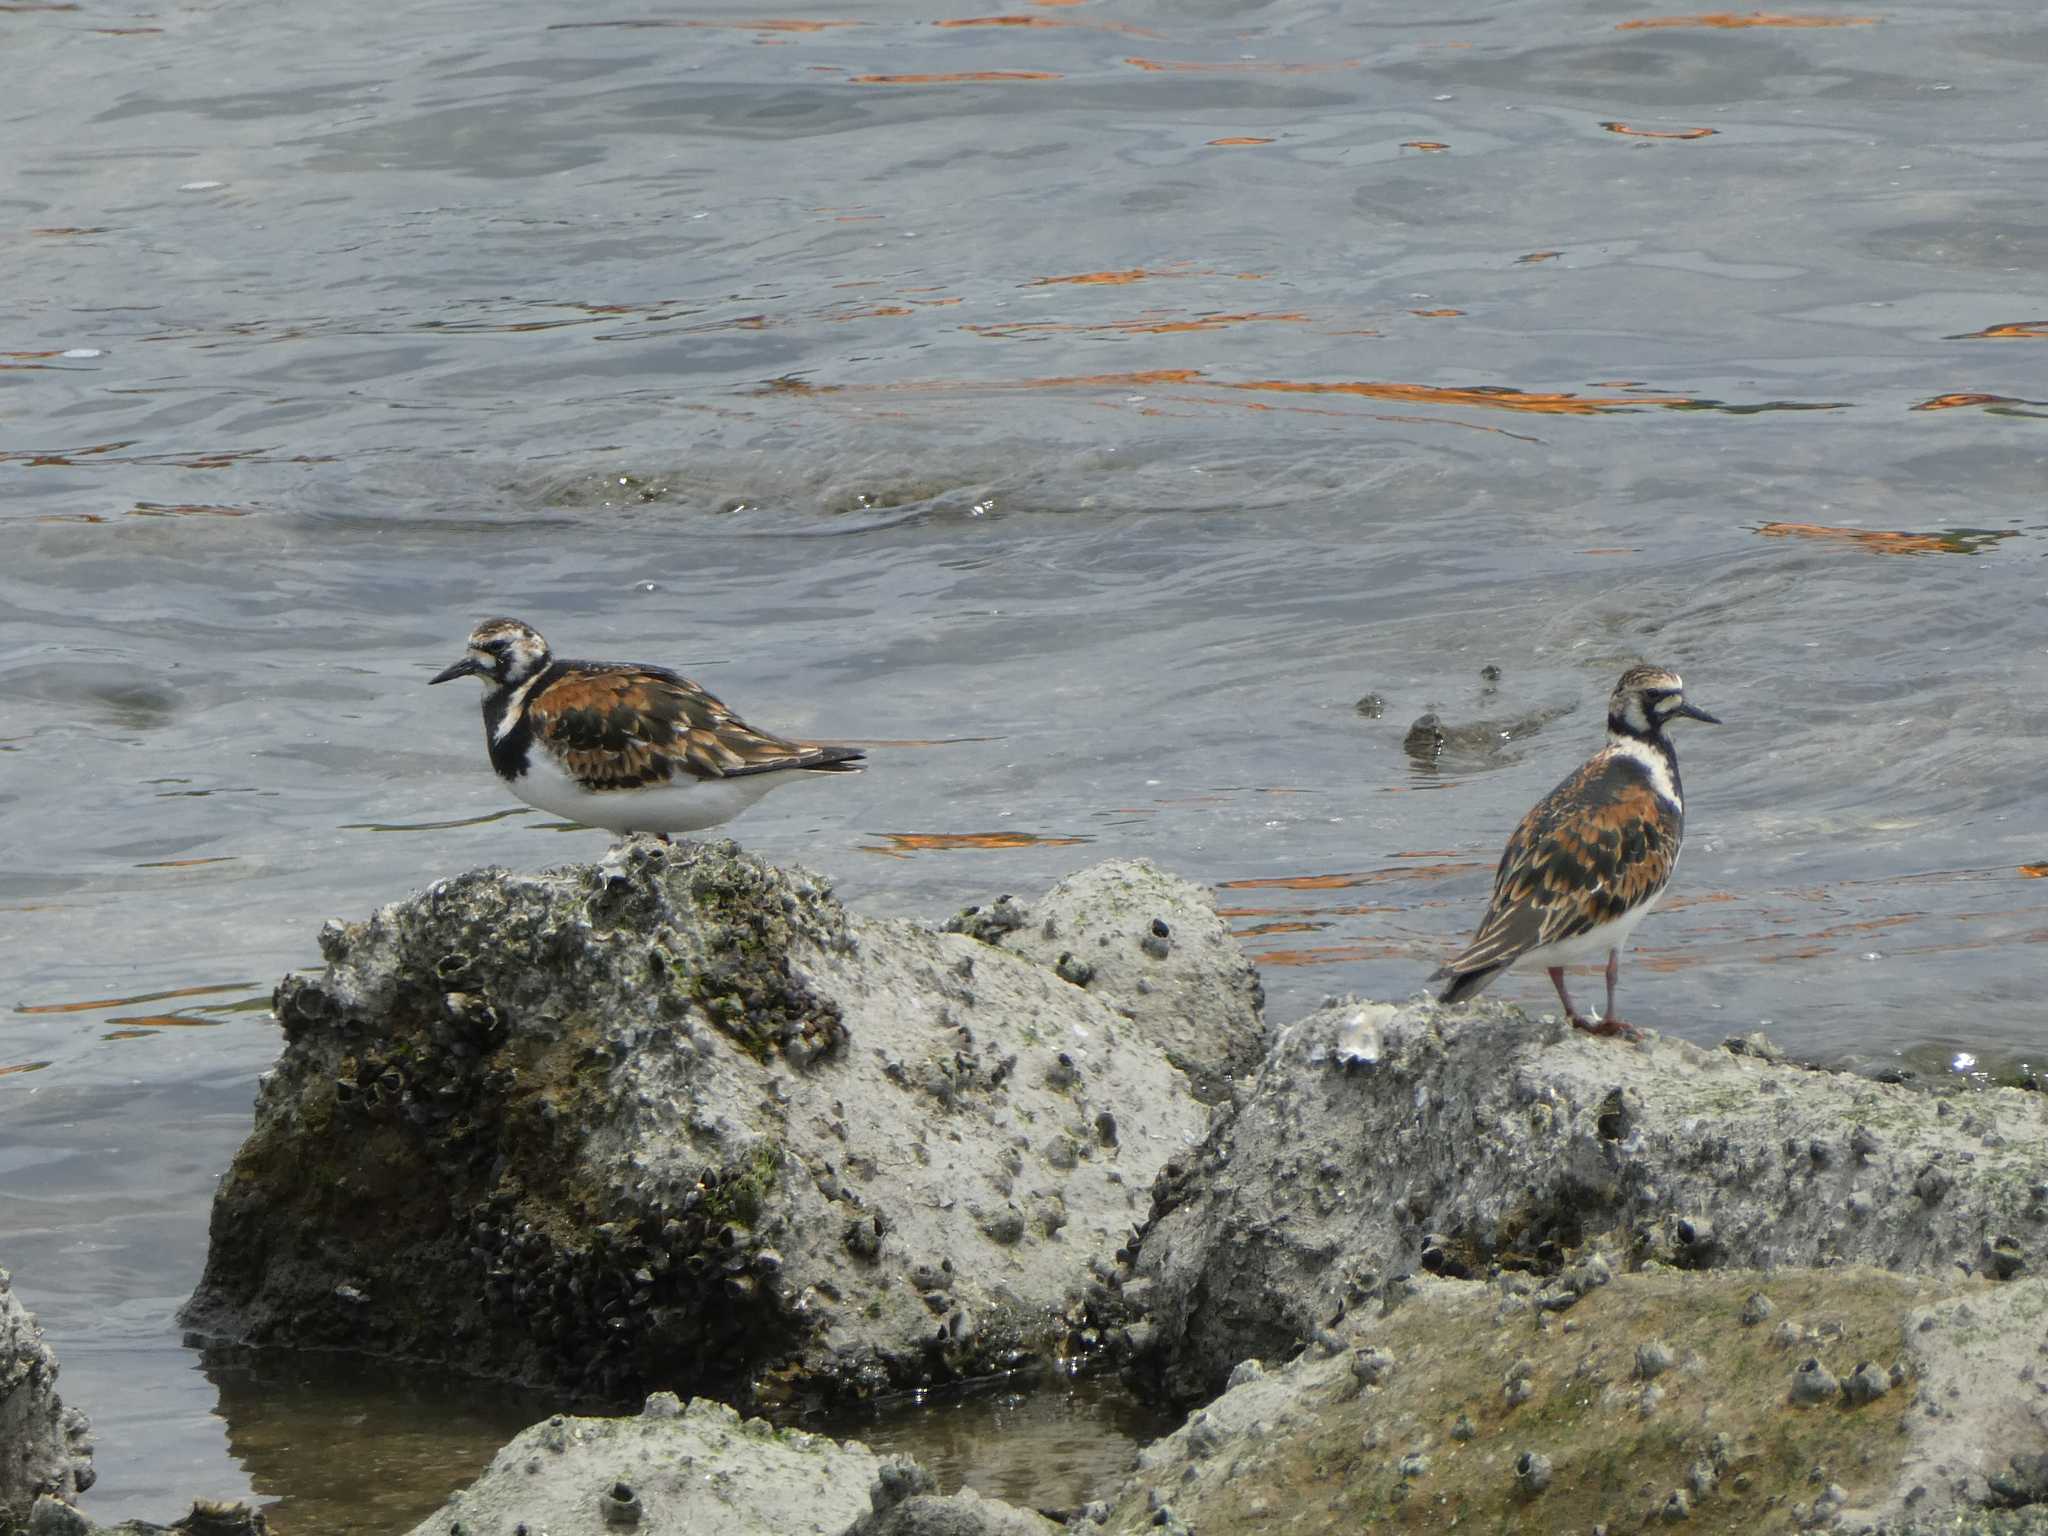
{"x": 1690, "y": 711}
{"x": 467, "y": 667}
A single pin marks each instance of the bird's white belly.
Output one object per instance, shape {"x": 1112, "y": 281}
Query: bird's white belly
{"x": 1592, "y": 948}
{"x": 684, "y": 804}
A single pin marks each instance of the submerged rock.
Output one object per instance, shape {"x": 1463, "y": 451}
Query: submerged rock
{"x": 45, "y": 1448}
{"x": 1150, "y": 945}
{"x": 1431, "y": 743}
{"x": 1299, "y": 1448}
{"x": 906, "y": 1504}
{"x": 680, "y": 1119}
{"x": 1485, "y": 1140}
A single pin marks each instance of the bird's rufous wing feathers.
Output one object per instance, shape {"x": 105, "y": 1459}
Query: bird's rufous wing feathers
{"x": 623, "y": 727}
{"x": 1604, "y": 841}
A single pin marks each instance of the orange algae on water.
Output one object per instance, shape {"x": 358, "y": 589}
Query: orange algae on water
{"x": 1660, "y": 133}
{"x": 957, "y": 77}
{"x": 927, "y": 842}
{"x": 1736, "y": 20}
{"x": 1953, "y": 541}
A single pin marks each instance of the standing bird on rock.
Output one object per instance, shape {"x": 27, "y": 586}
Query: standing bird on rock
{"x": 625, "y": 747}
{"x": 1588, "y": 863}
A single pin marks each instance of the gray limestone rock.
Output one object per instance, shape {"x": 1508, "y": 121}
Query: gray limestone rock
{"x": 45, "y": 1448}
{"x": 1150, "y": 945}
{"x": 1481, "y": 1138}
{"x": 679, "y": 1118}
{"x": 681, "y": 1474}
{"x": 1975, "y": 1364}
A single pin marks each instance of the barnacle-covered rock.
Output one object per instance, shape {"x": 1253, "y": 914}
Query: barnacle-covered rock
{"x": 1480, "y": 1140}
{"x": 1297, "y": 1447}
{"x": 670, "y": 1470}
{"x": 45, "y": 1448}
{"x": 1152, "y": 946}
{"x": 679, "y": 1118}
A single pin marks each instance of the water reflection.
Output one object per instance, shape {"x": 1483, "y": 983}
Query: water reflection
{"x": 1046, "y": 1441}
{"x": 335, "y": 1446}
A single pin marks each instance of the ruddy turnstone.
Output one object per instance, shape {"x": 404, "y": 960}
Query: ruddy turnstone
{"x": 1588, "y": 863}
{"x": 625, "y": 747}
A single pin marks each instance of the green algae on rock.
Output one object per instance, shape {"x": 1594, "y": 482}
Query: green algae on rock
{"x": 678, "y": 1119}
{"x": 1431, "y": 1440}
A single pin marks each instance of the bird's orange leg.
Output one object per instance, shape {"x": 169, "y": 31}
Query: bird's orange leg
{"x": 1570, "y": 1012}
{"x": 1609, "y": 1024}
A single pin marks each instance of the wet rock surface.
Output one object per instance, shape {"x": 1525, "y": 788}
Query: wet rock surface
{"x": 679, "y": 1119}
{"x": 669, "y": 1471}
{"x": 906, "y": 1503}
{"x": 45, "y": 1448}
{"x": 1432, "y": 1441}
{"x": 1150, "y": 945}
{"x": 1435, "y": 744}
{"x": 207, "y": 1517}
{"x": 1378, "y": 1142}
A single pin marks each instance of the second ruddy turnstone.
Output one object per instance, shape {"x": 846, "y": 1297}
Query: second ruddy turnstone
{"x": 625, "y": 747}
{"x": 1588, "y": 863}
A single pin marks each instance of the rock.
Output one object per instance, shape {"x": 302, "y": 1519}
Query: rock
{"x": 1425, "y": 739}
{"x": 210, "y": 1517}
{"x": 1978, "y": 1415}
{"x": 1498, "y": 1139}
{"x": 1653, "y": 1359}
{"x": 680, "y": 1119}
{"x": 1150, "y": 945}
{"x": 1813, "y": 1382}
{"x": 1244, "y": 1371}
{"x": 2024, "y": 1482}
{"x": 1756, "y": 1043}
{"x": 904, "y": 1504}
{"x": 45, "y": 1448}
{"x": 53, "y": 1517}
{"x": 1866, "y": 1384}
{"x": 704, "y": 1469}
{"x": 1371, "y": 1366}
{"x": 207, "y": 1517}
{"x": 1301, "y": 1450}
{"x": 1478, "y": 744}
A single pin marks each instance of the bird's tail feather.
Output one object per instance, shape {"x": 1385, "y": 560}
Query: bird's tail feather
{"x": 837, "y": 760}
{"x": 1466, "y": 984}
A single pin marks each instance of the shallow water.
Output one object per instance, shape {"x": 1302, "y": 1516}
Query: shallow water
{"x": 1100, "y": 398}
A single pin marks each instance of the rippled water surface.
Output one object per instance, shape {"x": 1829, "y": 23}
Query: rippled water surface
{"x": 1094, "y": 402}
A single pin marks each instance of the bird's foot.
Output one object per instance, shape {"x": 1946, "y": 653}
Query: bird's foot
{"x": 1617, "y": 1027}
